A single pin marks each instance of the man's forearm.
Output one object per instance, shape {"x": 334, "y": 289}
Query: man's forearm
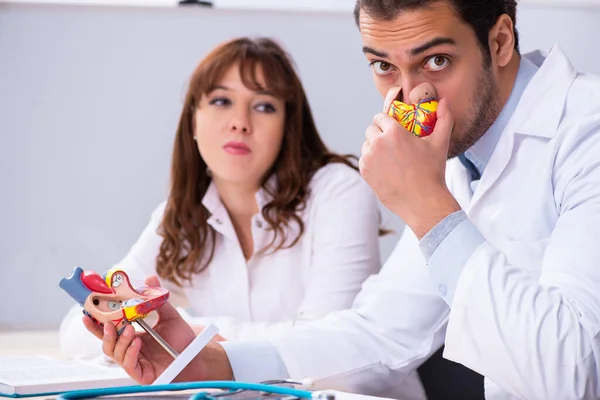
{"x": 212, "y": 364}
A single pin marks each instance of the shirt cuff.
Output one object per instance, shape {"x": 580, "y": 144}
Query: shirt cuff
{"x": 451, "y": 255}
{"x": 430, "y": 242}
{"x": 254, "y": 361}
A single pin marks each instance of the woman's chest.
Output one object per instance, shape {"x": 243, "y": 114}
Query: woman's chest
{"x": 267, "y": 287}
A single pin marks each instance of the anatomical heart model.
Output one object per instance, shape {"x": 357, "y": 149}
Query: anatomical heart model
{"x": 420, "y": 116}
{"x": 111, "y": 298}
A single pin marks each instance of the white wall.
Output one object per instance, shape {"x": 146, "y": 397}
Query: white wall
{"x": 89, "y": 99}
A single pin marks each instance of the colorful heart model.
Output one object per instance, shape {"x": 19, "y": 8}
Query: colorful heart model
{"x": 419, "y": 118}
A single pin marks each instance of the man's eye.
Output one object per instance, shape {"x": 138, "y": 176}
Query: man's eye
{"x": 381, "y": 67}
{"x": 437, "y": 63}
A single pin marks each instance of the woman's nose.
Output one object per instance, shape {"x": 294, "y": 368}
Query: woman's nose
{"x": 240, "y": 126}
{"x": 240, "y": 121}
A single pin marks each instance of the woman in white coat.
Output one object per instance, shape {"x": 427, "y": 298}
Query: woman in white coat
{"x": 264, "y": 228}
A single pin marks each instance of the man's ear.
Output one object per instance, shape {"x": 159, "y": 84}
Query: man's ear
{"x": 502, "y": 41}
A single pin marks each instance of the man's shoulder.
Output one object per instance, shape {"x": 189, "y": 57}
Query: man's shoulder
{"x": 575, "y": 149}
{"x": 583, "y": 98}
{"x": 580, "y": 123}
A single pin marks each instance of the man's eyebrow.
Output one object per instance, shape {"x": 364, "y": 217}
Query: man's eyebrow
{"x": 380, "y": 54}
{"x": 415, "y": 51}
{"x": 432, "y": 43}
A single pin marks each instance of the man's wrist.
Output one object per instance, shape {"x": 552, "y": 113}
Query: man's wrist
{"x": 218, "y": 363}
{"x": 430, "y": 213}
{"x": 212, "y": 364}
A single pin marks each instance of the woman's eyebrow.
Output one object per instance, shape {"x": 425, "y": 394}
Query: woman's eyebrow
{"x": 265, "y": 92}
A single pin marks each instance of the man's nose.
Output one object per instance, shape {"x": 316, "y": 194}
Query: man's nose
{"x": 404, "y": 93}
{"x": 414, "y": 91}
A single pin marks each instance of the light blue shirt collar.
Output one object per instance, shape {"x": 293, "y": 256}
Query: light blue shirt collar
{"x": 479, "y": 154}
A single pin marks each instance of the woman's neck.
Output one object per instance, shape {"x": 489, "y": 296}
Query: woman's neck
{"x": 241, "y": 205}
{"x": 238, "y": 199}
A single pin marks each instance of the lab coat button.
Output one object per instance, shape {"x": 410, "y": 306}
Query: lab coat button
{"x": 443, "y": 289}
{"x": 258, "y": 223}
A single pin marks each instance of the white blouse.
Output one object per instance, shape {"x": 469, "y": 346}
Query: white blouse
{"x": 269, "y": 293}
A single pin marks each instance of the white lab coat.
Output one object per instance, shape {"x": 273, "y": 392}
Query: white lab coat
{"x": 526, "y": 311}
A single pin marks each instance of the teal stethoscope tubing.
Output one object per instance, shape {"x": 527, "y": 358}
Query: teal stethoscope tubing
{"x": 229, "y": 385}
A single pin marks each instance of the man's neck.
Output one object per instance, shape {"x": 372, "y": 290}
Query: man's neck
{"x": 507, "y": 78}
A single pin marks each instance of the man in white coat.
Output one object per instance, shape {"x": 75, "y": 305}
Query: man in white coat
{"x": 501, "y": 258}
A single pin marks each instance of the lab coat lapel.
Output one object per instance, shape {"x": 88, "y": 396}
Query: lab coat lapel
{"x": 538, "y": 114}
{"x": 458, "y": 180}
{"x": 495, "y": 167}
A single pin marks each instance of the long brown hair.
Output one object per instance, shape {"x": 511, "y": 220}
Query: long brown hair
{"x": 185, "y": 230}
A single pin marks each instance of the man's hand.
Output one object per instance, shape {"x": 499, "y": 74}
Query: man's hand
{"x": 407, "y": 172}
{"x": 144, "y": 359}
{"x": 216, "y": 339}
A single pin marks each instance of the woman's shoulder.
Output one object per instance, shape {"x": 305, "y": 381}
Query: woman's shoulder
{"x": 159, "y": 211}
{"x": 334, "y": 171}
{"x": 336, "y": 177}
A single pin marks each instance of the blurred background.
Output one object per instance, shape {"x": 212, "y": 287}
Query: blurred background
{"x": 90, "y": 95}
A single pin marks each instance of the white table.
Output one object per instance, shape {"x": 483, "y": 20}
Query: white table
{"x": 46, "y": 343}
{"x": 14, "y": 343}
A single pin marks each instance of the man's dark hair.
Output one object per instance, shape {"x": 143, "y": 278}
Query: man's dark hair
{"x": 481, "y": 15}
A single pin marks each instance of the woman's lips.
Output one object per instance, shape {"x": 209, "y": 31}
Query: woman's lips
{"x": 237, "y": 148}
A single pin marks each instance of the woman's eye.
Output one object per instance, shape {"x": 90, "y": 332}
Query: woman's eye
{"x": 381, "y": 67}
{"x": 113, "y": 305}
{"x": 220, "y": 101}
{"x": 265, "y": 108}
{"x": 437, "y": 63}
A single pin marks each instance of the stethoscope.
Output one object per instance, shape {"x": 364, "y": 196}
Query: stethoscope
{"x": 229, "y": 388}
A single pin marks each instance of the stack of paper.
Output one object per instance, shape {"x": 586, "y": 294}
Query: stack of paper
{"x": 41, "y": 375}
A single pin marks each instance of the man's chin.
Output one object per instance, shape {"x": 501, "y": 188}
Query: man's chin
{"x": 457, "y": 147}
{"x": 461, "y": 142}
